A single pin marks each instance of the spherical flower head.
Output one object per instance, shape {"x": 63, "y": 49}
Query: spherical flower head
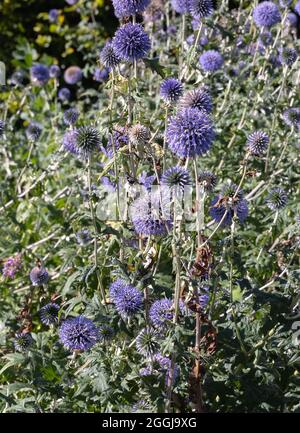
{"x": 297, "y": 8}
{"x": 131, "y": 42}
{"x": 266, "y": 14}
{"x": 108, "y": 56}
{"x": 23, "y": 341}
{"x": 229, "y": 203}
{"x": 258, "y": 142}
{"x": 147, "y": 342}
{"x": 69, "y": 142}
{"x": 211, "y": 61}
{"x": 161, "y": 364}
{"x": 101, "y": 75}
{"x": 162, "y": 311}
{"x": 78, "y": 333}
{"x": 73, "y": 75}
{"x": 277, "y": 199}
{"x": 207, "y": 180}
{"x": 181, "y": 6}
{"x": 83, "y": 237}
{"x": 87, "y": 140}
{"x": 292, "y": 19}
{"x": 128, "y": 301}
{"x": 64, "y": 94}
{"x": 201, "y": 8}
{"x": 177, "y": 177}
{"x": 291, "y": 117}
{"x": 53, "y": 15}
{"x": 146, "y": 181}
{"x": 2, "y": 127}
{"x": 116, "y": 287}
{"x": 285, "y": 3}
{"x": 106, "y": 333}
{"x": 190, "y": 133}
{"x": 288, "y": 56}
{"x": 54, "y": 71}
{"x": 33, "y": 131}
{"x": 171, "y": 90}
{"x": 150, "y": 213}
{"x": 71, "y": 116}
{"x": 126, "y": 8}
{"x": 139, "y": 134}
{"x": 49, "y": 313}
{"x": 11, "y": 266}
{"x": 198, "y": 98}
{"x": 39, "y": 74}
{"x": 39, "y": 276}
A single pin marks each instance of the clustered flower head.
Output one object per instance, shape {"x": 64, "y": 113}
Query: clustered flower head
{"x": 131, "y": 42}
{"x": 198, "y": 98}
{"x": 39, "y": 275}
{"x": 139, "y": 134}
{"x": 11, "y": 266}
{"x": 70, "y": 116}
{"x": 106, "y": 333}
{"x": 108, "y": 56}
{"x": 160, "y": 364}
{"x": 190, "y": 133}
{"x": 87, "y": 140}
{"x": 229, "y": 204}
{"x": 33, "y": 131}
{"x": 291, "y": 116}
{"x": 72, "y": 75}
{"x": 147, "y": 342}
{"x": 125, "y": 8}
{"x": 277, "y": 199}
{"x": 266, "y": 14}
{"x": 171, "y": 90}
{"x": 207, "y": 180}
{"x": 150, "y": 213}
{"x": 162, "y": 311}
{"x": 211, "y": 61}
{"x": 40, "y": 74}
{"x": 54, "y": 71}
{"x": 201, "y": 8}
{"x": 288, "y": 56}
{"x": 64, "y": 94}
{"x": 128, "y": 299}
{"x": 181, "y": 6}
{"x": 23, "y": 341}
{"x": 78, "y": 333}
{"x": 154, "y": 11}
{"x": 70, "y": 143}
{"x": 176, "y": 177}
{"x": 257, "y": 142}
{"x": 49, "y": 313}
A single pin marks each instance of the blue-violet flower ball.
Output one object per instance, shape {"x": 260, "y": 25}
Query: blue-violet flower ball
{"x": 23, "y": 341}
{"x": 257, "y": 142}
{"x": 211, "y": 61}
{"x": 128, "y": 301}
{"x": 131, "y": 42}
{"x": 176, "y": 177}
{"x": 287, "y": 56}
{"x": 201, "y": 8}
{"x": 54, "y": 71}
{"x": 198, "y": 98}
{"x": 40, "y": 74}
{"x": 49, "y": 313}
{"x": 181, "y": 6}
{"x": 171, "y": 90}
{"x": 291, "y": 117}
{"x": 229, "y": 204}
{"x": 72, "y": 75}
{"x": 108, "y": 56}
{"x": 126, "y": 8}
{"x": 64, "y": 94}
{"x": 277, "y": 199}
{"x": 266, "y": 14}
{"x": 70, "y": 116}
{"x": 69, "y": 142}
{"x": 78, "y": 333}
{"x": 39, "y": 276}
{"x": 33, "y": 131}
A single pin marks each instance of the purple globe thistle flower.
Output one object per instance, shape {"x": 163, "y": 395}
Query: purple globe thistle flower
{"x": 54, "y": 71}
{"x": 73, "y": 75}
{"x": 258, "y": 142}
{"x": 23, "y": 341}
{"x": 147, "y": 342}
{"x": 161, "y": 364}
{"x": 53, "y": 15}
{"x": 190, "y": 133}
{"x": 39, "y": 276}
{"x": 49, "y": 313}
{"x": 201, "y": 8}
{"x": 128, "y": 301}
{"x": 101, "y": 75}
{"x": 171, "y": 90}
{"x": 211, "y": 61}
{"x": 181, "y": 6}
{"x": 176, "y": 177}
{"x": 11, "y": 266}
{"x": 145, "y": 180}
{"x": 131, "y": 42}
{"x": 87, "y": 140}
{"x": 139, "y": 134}
{"x": 230, "y": 203}
{"x": 39, "y": 74}
{"x": 33, "y": 131}
{"x": 106, "y": 333}
{"x": 266, "y": 14}
{"x": 108, "y": 56}
{"x": 2, "y": 127}
{"x": 207, "y": 180}
{"x": 291, "y": 117}
{"x": 64, "y": 94}
{"x": 78, "y": 333}
{"x": 70, "y": 116}
{"x": 297, "y": 7}
{"x": 125, "y": 8}
{"x": 83, "y": 237}
{"x": 292, "y": 19}
{"x": 287, "y": 56}
{"x": 198, "y": 98}
{"x": 162, "y": 311}
{"x": 69, "y": 142}
{"x": 277, "y": 199}
{"x": 116, "y": 287}
{"x": 150, "y": 213}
